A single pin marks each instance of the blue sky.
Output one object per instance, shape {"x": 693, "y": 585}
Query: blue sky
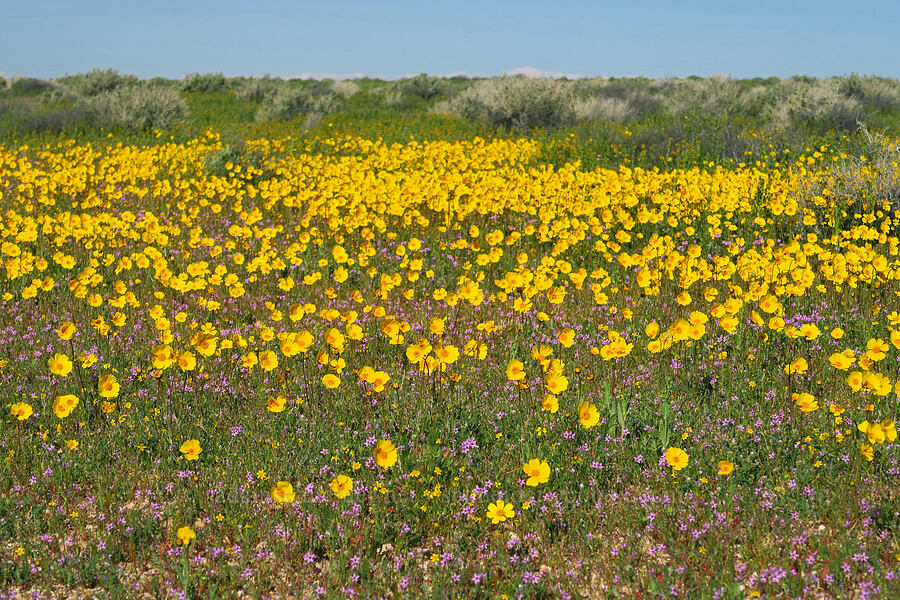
{"x": 344, "y": 38}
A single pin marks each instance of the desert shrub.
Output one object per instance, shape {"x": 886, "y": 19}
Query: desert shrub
{"x": 97, "y": 81}
{"x": 801, "y": 80}
{"x": 284, "y": 105}
{"x": 58, "y": 95}
{"x": 663, "y": 86}
{"x": 875, "y": 93}
{"x": 206, "y": 82}
{"x": 15, "y": 116}
{"x": 818, "y": 105}
{"x": 643, "y": 104}
{"x": 163, "y": 82}
{"x": 622, "y": 88}
{"x": 585, "y": 88}
{"x": 854, "y": 185}
{"x": 258, "y": 89}
{"x": 393, "y": 98}
{"x": 518, "y": 102}
{"x": 345, "y": 88}
{"x": 642, "y": 96}
{"x": 441, "y": 108}
{"x": 422, "y": 86}
{"x": 29, "y": 86}
{"x": 765, "y": 82}
{"x": 21, "y": 117}
{"x": 712, "y": 96}
{"x": 2, "y": 83}
{"x": 602, "y": 109}
{"x": 289, "y": 103}
{"x": 325, "y": 104}
{"x": 140, "y": 107}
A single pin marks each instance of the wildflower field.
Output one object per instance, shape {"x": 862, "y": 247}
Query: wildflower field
{"x": 448, "y": 369}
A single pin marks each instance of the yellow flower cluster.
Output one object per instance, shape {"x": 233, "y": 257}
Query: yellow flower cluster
{"x": 327, "y": 261}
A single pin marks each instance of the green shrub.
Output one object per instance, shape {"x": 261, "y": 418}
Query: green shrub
{"x": 96, "y": 82}
{"x": 289, "y": 103}
{"x": 163, "y": 82}
{"x": 325, "y": 104}
{"x": 619, "y": 99}
{"x": 394, "y": 99}
{"x": 801, "y": 80}
{"x": 12, "y": 112}
{"x": 602, "y": 109}
{"x": 345, "y": 88}
{"x": 58, "y": 95}
{"x": 518, "y": 102}
{"x": 24, "y": 117}
{"x": 29, "y": 86}
{"x": 422, "y": 86}
{"x": 712, "y": 96}
{"x": 875, "y": 93}
{"x": 207, "y": 82}
{"x": 140, "y": 107}
{"x": 818, "y": 105}
{"x": 621, "y": 88}
{"x": 854, "y": 184}
{"x": 258, "y": 89}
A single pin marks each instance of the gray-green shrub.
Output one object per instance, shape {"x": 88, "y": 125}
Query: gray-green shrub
{"x": 28, "y": 117}
{"x": 875, "y": 93}
{"x": 58, "y": 95}
{"x": 291, "y": 102}
{"x": 602, "y": 109}
{"x": 258, "y": 89}
{"x": 140, "y": 107}
{"x": 712, "y": 96}
{"x": 206, "y": 82}
{"x": 642, "y": 96}
{"x": 97, "y": 81}
{"x": 851, "y": 183}
{"x": 345, "y": 88}
{"x": 29, "y": 86}
{"x": 163, "y": 82}
{"x": 422, "y": 86}
{"x": 817, "y": 104}
{"x": 518, "y": 102}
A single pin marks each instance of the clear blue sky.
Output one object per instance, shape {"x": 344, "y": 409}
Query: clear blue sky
{"x": 392, "y": 39}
